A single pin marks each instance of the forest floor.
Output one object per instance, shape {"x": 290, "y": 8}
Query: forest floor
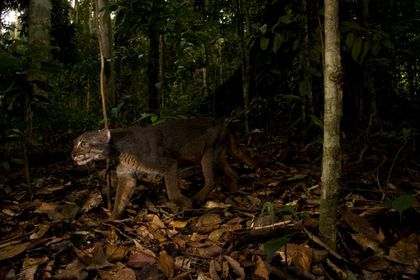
{"x": 268, "y": 230}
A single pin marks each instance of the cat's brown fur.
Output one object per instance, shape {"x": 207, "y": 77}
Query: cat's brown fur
{"x": 160, "y": 150}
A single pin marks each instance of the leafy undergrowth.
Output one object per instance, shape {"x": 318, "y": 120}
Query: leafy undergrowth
{"x": 266, "y": 231}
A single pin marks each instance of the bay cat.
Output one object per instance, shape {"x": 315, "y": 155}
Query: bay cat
{"x": 161, "y": 149}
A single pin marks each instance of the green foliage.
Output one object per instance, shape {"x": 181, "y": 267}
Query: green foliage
{"x": 13, "y": 138}
{"x": 156, "y": 119}
{"x": 402, "y": 203}
{"x": 363, "y": 40}
{"x": 273, "y": 245}
{"x": 202, "y": 56}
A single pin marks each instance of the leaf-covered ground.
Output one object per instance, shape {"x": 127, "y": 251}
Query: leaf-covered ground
{"x": 266, "y": 231}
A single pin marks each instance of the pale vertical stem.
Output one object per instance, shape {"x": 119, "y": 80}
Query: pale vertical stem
{"x": 161, "y": 91}
{"x": 205, "y": 72}
{"x": 331, "y": 160}
{"x": 308, "y": 97}
{"x": 242, "y": 32}
{"x": 101, "y": 32}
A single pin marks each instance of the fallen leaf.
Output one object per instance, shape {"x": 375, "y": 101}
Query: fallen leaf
{"x": 94, "y": 257}
{"x": 213, "y": 268}
{"x": 297, "y": 177}
{"x": 236, "y": 266}
{"x": 93, "y": 201}
{"x": 30, "y": 266}
{"x": 366, "y": 242}
{"x": 142, "y": 249}
{"x": 49, "y": 189}
{"x": 140, "y": 259}
{"x": 208, "y": 222}
{"x": 261, "y": 269}
{"x": 41, "y": 231}
{"x": 9, "y": 212}
{"x": 263, "y": 221}
{"x": 233, "y": 224}
{"x": 155, "y": 223}
{"x": 72, "y": 270}
{"x": 196, "y": 237}
{"x": 301, "y": 255}
{"x": 182, "y": 263}
{"x": 216, "y": 234}
{"x": 405, "y": 251}
{"x": 210, "y": 251}
{"x": 58, "y": 211}
{"x": 14, "y": 250}
{"x": 118, "y": 272}
{"x": 69, "y": 211}
{"x": 302, "y": 260}
{"x": 374, "y": 263}
{"x": 374, "y": 211}
{"x": 178, "y": 224}
{"x": 203, "y": 276}
{"x": 361, "y": 225}
{"x": 144, "y": 232}
{"x": 166, "y": 264}
{"x": 215, "y": 205}
{"x": 46, "y": 207}
{"x": 115, "y": 253}
{"x": 253, "y": 200}
{"x": 209, "y": 219}
{"x": 225, "y": 270}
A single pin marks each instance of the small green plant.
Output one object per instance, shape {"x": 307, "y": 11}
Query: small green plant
{"x": 402, "y": 203}
{"x": 273, "y": 245}
{"x": 268, "y": 208}
{"x": 291, "y": 210}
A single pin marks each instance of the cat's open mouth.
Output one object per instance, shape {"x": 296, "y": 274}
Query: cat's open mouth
{"x": 80, "y": 160}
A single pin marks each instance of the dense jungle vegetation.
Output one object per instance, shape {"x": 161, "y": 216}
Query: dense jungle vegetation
{"x": 174, "y": 59}
{"x": 256, "y": 65}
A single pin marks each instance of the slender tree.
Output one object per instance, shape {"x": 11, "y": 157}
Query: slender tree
{"x": 104, "y": 32}
{"x": 307, "y": 96}
{"x": 160, "y": 87}
{"x": 331, "y": 160}
{"x": 243, "y": 29}
{"x": 39, "y": 37}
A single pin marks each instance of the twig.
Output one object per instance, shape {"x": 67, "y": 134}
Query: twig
{"x": 393, "y": 162}
{"x": 268, "y": 227}
{"x": 120, "y": 231}
{"x": 321, "y": 243}
{"x": 377, "y": 179}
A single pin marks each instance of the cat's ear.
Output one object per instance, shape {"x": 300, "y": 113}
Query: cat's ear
{"x": 106, "y": 133}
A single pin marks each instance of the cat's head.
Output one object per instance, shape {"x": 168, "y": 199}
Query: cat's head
{"x": 91, "y": 145}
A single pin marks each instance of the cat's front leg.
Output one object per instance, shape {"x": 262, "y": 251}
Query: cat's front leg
{"x": 126, "y": 184}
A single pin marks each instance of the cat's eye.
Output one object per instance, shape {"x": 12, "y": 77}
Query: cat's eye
{"x": 82, "y": 144}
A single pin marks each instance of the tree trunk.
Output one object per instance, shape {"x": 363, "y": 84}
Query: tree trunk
{"x": 243, "y": 19}
{"x": 39, "y": 40}
{"x": 205, "y": 72}
{"x": 76, "y": 12}
{"x": 39, "y": 35}
{"x": 161, "y": 92}
{"x": 307, "y": 95}
{"x": 106, "y": 77}
{"x": 104, "y": 32}
{"x": 331, "y": 160}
